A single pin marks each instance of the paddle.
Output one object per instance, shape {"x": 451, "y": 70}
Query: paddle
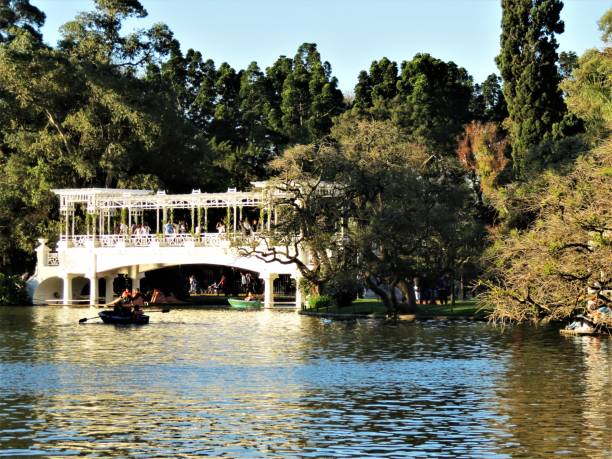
{"x": 85, "y": 319}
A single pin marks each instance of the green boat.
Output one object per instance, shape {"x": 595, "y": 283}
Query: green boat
{"x": 237, "y": 303}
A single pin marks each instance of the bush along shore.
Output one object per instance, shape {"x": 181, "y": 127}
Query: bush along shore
{"x": 375, "y": 309}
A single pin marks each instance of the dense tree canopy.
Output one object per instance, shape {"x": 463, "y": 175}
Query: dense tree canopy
{"x": 546, "y": 270}
{"x": 393, "y": 184}
{"x": 374, "y": 205}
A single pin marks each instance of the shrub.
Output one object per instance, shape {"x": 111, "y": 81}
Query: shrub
{"x": 320, "y": 302}
{"x": 343, "y": 288}
{"x": 12, "y": 290}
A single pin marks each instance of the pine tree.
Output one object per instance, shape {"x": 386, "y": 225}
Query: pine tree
{"x": 528, "y": 65}
{"x": 19, "y": 14}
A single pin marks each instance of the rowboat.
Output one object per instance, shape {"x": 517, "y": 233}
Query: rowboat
{"x": 237, "y": 303}
{"x": 584, "y": 325}
{"x": 111, "y": 317}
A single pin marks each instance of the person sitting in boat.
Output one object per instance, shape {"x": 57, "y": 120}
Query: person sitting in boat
{"x": 137, "y": 312}
{"x": 157, "y": 297}
{"x": 137, "y": 298}
{"x": 123, "y": 304}
{"x": 221, "y": 284}
{"x": 250, "y": 296}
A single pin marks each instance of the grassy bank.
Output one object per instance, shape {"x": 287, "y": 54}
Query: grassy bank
{"x": 376, "y": 308}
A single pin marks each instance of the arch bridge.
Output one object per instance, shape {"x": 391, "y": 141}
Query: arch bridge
{"x": 108, "y": 232}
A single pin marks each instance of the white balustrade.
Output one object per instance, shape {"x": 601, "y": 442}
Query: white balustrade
{"x": 149, "y": 240}
{"x": 53, "y": 259}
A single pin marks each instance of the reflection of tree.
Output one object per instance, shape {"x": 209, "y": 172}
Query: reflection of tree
{"x": 544, "y": 395}
{"x": 17, "y": 421}
{"x": 597, "y": 414}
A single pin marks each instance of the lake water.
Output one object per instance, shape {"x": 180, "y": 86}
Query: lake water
{"x": 276, "y": 384}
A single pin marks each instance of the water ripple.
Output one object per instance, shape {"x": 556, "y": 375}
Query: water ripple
{"x": 229, "y": 384}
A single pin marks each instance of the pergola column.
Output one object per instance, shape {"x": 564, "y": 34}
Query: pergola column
{"x": 269, "y": 289}
{"x": 298, "y": 293}
{"x": 93, "y": 280}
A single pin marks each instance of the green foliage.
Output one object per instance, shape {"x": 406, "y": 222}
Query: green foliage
{"x": 20, "y": 15}
{"x": 310, "y": 97}
{"x": 12, "y": 290}
{"x": 433, "y": 101}
{"x": 320, "y": 302}
{"x": 589, "y": 91}
{"x": 544, "y": 270}
{"x": 489, "y": 103}
{"x": 343, "y": 287}
{"x": 430, "y": 99}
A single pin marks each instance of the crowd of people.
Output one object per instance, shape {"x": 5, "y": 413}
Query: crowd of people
{"x": 140, "y": 229}
{"x": 225, "y": 285}
{"x": 248, "y": 227}
{"x": 428, "y": 292}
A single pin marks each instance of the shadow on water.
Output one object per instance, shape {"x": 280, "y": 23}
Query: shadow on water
{"x": 273, "y": 384}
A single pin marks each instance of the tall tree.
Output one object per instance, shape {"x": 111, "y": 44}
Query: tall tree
{"x": 275, "y": 78}
{"x": 433, "y": 101}
{"x": 369, "y": 204}
{"x": 310, "y": 97}
{"x": 227, "y": 106}
{"x": 377, "y": 88}
{"x": 489, "y": 102}
{"x": 528, "y": 65}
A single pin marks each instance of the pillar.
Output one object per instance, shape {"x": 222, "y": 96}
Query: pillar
{"x": 269, "y": 289}
{"x": 42, "y": 253}
{"x": 269, "y": 215}
{"x": 136, "y": 276}
{"x": 93, "y": 289}
{"x": 298, "y": 293}
{"x": 67, "y": 279}
{"x": 136, "y": 280}
{"x": 92, "y": 275}
{"x": 108, "y": 293}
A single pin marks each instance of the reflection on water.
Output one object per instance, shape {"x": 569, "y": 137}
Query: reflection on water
{"x": 272, "y": 384}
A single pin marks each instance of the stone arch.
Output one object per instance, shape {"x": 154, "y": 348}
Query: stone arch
{"x": 78, "y": 287}
{"x": 51, "y": 289}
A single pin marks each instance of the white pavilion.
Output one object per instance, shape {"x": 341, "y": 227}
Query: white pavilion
{"x": 111, "y": 232}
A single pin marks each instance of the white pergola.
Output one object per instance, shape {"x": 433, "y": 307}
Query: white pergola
{"x": 104, "y": 204}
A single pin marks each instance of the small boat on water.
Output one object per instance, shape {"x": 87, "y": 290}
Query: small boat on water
{"x": 237, "y": 303}
{"x": 111, "y": 317}
{"x": 588, "y": 325}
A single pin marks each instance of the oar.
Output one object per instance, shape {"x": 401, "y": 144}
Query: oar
{"x": 85, "y": 319}
{"x": 156, "y": 310}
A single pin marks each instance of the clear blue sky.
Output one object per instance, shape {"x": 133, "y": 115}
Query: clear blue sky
{"x": 349, "y": 33}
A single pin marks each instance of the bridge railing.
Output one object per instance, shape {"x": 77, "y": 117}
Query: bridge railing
{"x": 150, "y": 240}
